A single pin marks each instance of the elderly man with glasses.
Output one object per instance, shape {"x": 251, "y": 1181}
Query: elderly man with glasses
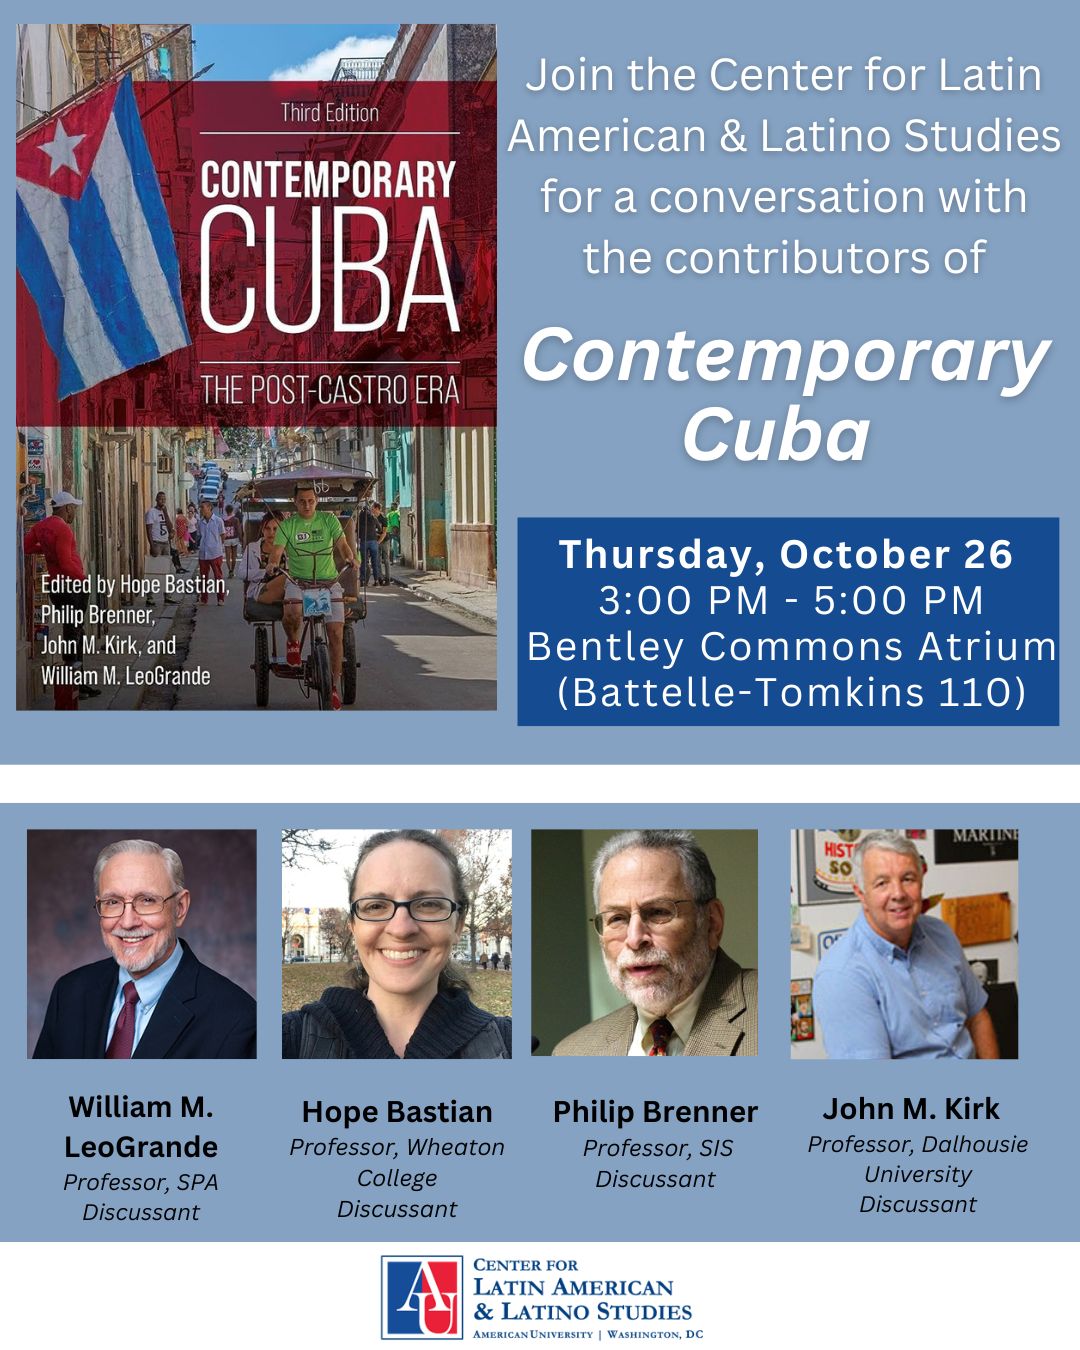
{"x": 660, "y": 923}
{"x": 151, "y": 999}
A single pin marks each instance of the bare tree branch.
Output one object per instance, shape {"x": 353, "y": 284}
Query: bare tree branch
{"x": 300, "y": 847}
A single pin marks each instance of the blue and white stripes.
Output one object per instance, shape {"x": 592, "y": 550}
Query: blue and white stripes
{"x": 102, "y": 267}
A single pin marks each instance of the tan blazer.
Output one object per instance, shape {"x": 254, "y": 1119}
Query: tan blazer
{"x": 726, "y": 1023}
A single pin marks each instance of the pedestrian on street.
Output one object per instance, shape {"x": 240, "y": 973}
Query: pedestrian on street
{"x": 193, "y": 525}
{"x": 183, "y": 532}
{"x": 55, "y": 538}
{"x": 368, "y": 534}
{"x": 160, "y": 532}
{"x": 232, "y": 538}
{"x": 393, "y": 523}
{"x": 384, "y": 545}
{"x": 211, "y": 552}
{"x": 506, "y": 960}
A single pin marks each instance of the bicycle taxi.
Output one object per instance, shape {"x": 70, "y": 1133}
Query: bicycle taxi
{"x": 339, "y": 491}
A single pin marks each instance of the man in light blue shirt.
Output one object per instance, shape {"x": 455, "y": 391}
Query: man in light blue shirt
{"x": 897, "y": 984}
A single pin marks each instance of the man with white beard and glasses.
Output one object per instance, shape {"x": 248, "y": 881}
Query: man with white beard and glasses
{"x": 660, "y": 924}
{"x": 151, "y": 999}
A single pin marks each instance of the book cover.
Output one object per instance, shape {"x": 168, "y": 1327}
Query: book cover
{"x": 256, "y": 366}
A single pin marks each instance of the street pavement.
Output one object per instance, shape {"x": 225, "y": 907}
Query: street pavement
{"x": 413, "y": 654}
{"x": 478, "y": 604}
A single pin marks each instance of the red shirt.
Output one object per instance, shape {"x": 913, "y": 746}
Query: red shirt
{"x": 55, "y": 538}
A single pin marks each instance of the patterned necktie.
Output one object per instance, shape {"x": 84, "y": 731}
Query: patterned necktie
{"x": 662, "y": 1032}
{"x": 123, "y": 1037}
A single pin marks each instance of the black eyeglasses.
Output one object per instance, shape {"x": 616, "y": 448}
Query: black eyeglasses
{"x": 113, "y": 906}
{"x": 615, "y": 922}
{"x": 423, "y": 908}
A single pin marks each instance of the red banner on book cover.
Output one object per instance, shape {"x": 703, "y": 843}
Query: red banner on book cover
{"x": 337, "y": 254}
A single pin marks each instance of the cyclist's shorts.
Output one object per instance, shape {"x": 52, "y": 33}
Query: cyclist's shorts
{"x": 337, "y": 603}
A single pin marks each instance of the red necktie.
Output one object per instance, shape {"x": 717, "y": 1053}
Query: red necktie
{"x": 123, "y": 1037}
{"x": 662, "y": 1032}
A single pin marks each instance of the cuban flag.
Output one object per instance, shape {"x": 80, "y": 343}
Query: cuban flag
{"x": 93, "y": 242}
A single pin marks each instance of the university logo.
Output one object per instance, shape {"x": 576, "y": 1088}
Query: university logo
{"x": 421, "y": 1298}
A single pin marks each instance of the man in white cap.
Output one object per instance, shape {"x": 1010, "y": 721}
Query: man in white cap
{"x": 55, "y": 538}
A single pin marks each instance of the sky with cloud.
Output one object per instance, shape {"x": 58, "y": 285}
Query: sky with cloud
{"x": 321, "y": 65}
{"x": 285, "y": 51}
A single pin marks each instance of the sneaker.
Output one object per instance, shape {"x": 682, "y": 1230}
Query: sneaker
{"x": 335, "y": 701}
{"x": 292, "y": 653}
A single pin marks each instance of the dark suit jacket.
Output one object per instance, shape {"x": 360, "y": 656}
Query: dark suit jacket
{"x": 726, "y": 1022}
{"x": 200, "y": 1015}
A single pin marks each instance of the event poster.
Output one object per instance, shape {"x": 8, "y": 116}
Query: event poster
{"x": 675, "y": 409}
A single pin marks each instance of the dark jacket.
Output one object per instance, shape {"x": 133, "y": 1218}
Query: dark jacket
{"x": 369, "y": 525}
{"x": 343, "y": 1025}
{"x": 200, "y": 1015}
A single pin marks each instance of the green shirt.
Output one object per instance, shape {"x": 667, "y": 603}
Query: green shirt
{"x": 309, "y": 545}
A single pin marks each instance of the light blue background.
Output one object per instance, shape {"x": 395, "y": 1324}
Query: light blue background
{"x": 616, "y": 449}
{"x": 542, "y": 1189}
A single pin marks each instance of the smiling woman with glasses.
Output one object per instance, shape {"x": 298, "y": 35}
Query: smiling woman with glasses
{"x": 407, "y": 908}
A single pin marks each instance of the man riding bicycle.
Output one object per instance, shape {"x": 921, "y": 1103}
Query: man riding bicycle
{"x": 315, "y": 546}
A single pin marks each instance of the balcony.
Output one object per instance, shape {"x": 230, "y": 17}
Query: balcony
{"x": 358, "y": 68}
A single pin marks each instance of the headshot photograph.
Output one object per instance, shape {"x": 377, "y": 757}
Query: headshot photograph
{"x": 396, "y": 944}
{"x": 175, "y": 914}
{"x": 904, "y": 944}
{"x": 644, "y": 942}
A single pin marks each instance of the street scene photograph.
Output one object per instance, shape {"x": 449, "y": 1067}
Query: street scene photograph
{"x": 256, "y": 446}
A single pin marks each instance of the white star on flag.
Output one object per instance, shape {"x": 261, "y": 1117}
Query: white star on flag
{"x": 61, "y": 150}
{"x": 94, "y": 244}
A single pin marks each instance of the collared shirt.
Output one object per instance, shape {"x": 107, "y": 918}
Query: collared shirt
{"x": 875, "y": 1000}
{"x": 211, "y": 538}
{"x": 151, "y": 986}
{"x": 681, "y": 1018}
